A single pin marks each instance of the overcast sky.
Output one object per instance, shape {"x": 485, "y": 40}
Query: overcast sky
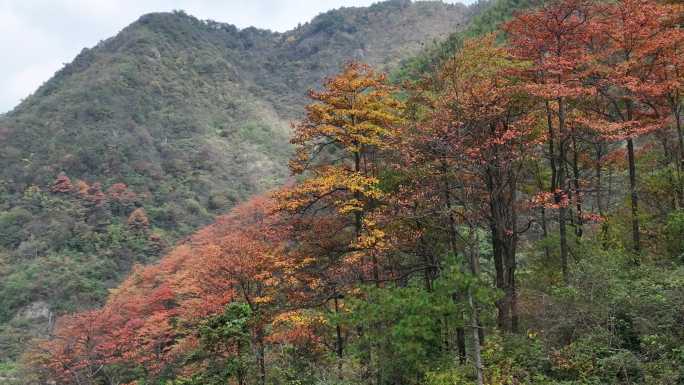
{"x": 38, "y": 36}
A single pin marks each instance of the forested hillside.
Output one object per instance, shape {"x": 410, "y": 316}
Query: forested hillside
{"x": 149, "y": 135}
{"x": 513, "y": 214}
{"x": 487, "y": 17}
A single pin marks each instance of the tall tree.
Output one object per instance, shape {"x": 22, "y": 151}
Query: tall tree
{"x": 553, "y": 38}
{"x": 492, "y": 131}
{"x": 630, "y": 39}
{"x": 339, "y": 145}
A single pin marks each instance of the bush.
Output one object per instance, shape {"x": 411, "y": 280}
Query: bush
{"x": 11, "y": 227}
{"x": 674, "y": 234}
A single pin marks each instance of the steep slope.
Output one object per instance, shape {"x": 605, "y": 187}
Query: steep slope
{"x": 175, "y": 116}
{"x": 487, "y": 17}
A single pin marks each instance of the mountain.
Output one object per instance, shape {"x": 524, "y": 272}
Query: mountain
{"x": 152, "y": 133}
{"x": 514, "y": 221}
{"x": 487, "y": 16}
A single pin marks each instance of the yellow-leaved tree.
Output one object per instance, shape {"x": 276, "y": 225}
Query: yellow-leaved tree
{"x": 347, "y": 128}
{"x": 348, "y": 125}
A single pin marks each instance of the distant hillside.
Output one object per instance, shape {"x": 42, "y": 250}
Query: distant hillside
{"x": 156, "y": 131}
{"x": 487, "y": 17}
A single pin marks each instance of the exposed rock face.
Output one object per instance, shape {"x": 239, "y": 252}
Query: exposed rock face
{"x": 39, "y": 315}
{"x": 35, "y": 311}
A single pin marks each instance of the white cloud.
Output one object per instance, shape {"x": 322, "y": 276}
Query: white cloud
{"x": 38, "y": 36}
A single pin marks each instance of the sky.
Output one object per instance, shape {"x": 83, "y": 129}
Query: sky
{"x": 37, "y": 37}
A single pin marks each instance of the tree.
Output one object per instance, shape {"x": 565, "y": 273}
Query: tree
{"x": 224, "y": 341}
{"x": 487, "y": 117}
{"x": 120, "y": 198}
{"x": 339, "y": 145}
{"x": 245, "y": 254}
{"x": 668, "y": 74}
{"x": 155, "y": 317}
{"x": 631, "y": 37}
{"x": 62, "y": 184}
{"x": 554, "y": 39}
{"x": 138, "y": 220}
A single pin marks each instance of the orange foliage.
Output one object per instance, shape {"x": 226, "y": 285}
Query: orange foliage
{"x": 340, "y": 144}
{"x": 120, "y": 194}
{"x": 138, "y": 220}
{"x": 62, "y": 184}
{"x": 147, "y": 319}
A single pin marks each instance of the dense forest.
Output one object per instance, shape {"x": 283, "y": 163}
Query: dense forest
{"x": 179, "y": 117}
{"x": 505, "y": 208}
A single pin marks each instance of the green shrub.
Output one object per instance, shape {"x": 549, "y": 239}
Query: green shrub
{"x": 674, "y": 234}
{"x": 11, "y": 226}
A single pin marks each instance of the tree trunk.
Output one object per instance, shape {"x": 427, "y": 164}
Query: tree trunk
{"x": 475, "y": 269}
{"x": 461, "y": 345}
{"x": 598, "y": 176}
{"x": 241, "y": 368}
{"x": 542, "y": 209}
{"x": 474, "y": 323}
{"x": 511, "y": 242}
{"x": 563, "y": 244}
{"x": 261, "y": 359}
{"x": 676, "y": 113}
{"x": 636, "y": 241}
{"x": 545, "y": 232}
{"x": 502, "y": 306}
{"x": 339, "y": 342}
{"x": 480, "y": 330}
{"x": 504, "y": 242}
{"x": 598, "y": 194}
{"x": 452, "y": 232}
{"x": 576, "y": 185}
{"x": 512, "y": 293}
{"x": 501, "y": 183}
{"x": 476, "y": 328}
{"x": 559, "y": 194}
